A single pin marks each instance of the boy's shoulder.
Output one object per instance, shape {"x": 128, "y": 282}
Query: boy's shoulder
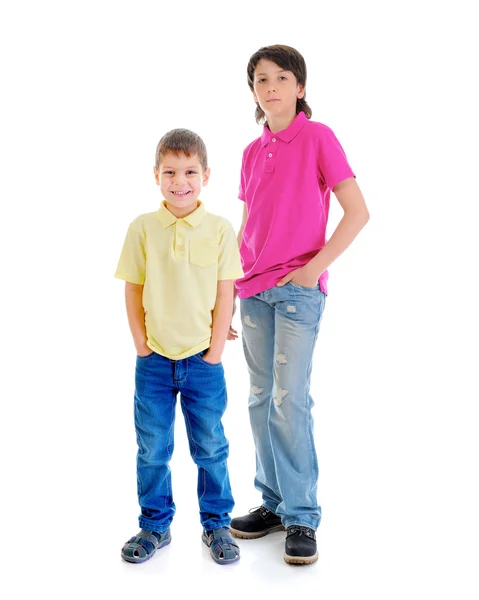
{"x": 141, "y": 222}
{"x": 221, "y": 223}
{"x": 318, "y": 129}
{"x": 254, "y": 144}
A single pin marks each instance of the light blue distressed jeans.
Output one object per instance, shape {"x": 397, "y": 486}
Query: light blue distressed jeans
{"x": 280, "y": 327}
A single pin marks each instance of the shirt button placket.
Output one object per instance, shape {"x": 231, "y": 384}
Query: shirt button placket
{"x": 179, "y": 242}
{"x": 269, "y": 164}
{"x": 270, "y": 154}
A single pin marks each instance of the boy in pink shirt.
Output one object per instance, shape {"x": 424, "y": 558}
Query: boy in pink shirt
{"x": 286, "y": 181}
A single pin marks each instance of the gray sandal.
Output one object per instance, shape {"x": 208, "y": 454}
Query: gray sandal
{"x": 144, "y": 544}
{"x": 223, "y": 549}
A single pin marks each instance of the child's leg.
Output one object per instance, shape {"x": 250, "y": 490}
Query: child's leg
{"x": 257, "y": 317}
{"x": 155, "y": 400}
{"x": 298, "y": 311}
{"x": 203, "y": 402}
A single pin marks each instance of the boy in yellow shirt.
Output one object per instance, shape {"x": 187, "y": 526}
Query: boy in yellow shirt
{"x": 179, "y": 264}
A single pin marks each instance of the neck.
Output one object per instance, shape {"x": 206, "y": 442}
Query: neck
{"x": 180, "y": 213}
{"x": 280, "y": 122}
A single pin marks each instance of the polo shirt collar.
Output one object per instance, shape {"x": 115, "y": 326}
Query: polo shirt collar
{"x": 194, "y": 219}
{"x": 286, "y": 135}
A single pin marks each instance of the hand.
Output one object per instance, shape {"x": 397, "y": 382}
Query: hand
{"x": 300, "y": 276}
{"x": 211, "y": 358}
{"x": 143, "y": 350}
{"x": 232, "y": 334}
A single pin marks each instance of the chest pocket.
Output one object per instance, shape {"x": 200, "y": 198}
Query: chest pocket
{"x": 203, "y": 252}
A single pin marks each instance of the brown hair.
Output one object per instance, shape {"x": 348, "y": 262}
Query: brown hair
{"x": 288, "y": 59}
{"x": 181, "y": 141}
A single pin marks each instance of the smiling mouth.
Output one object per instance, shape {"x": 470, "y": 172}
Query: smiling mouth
{"x": 181, "y": 194}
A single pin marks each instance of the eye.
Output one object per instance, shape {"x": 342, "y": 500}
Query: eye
{"x": 168, "y": 172}
{"x": 191, "y": 172}
{"x": 261, "y": 80}
{"x": 283, "y": 78}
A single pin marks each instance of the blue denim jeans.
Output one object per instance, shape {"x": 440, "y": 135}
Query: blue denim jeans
{"x": 202, "y": 390}
{"x": 280, "y": 327}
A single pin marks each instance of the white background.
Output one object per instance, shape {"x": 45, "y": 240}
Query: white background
{"x": 88, "y": 90}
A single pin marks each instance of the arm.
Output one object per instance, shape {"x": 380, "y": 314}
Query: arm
{"x": 221, "y": 320}
{"x": 232, "y": 333}
{"x": 239, "y": 237}
{"x": 136, "y": 317}
{"x": 355, "y": 217}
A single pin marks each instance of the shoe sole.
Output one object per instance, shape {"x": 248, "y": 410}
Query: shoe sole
{"x": 301, "y": 560}
{"x": 252, "y": 535}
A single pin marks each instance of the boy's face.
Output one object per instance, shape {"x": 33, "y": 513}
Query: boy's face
{"x": 275, "y": 89}
{"x": 181, "y": 179}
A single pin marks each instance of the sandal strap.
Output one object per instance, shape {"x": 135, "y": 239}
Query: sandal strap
{"x": 221, "y": 540}
{"x": 153, "y": 536}
{"x": 148, "y": 542}
{"x": 145, "y": 542}
{"x": 226, "y": 546}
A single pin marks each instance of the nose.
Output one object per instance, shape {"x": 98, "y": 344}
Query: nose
{"x": 271, "y": 87}
{"x": 178, "y": 178}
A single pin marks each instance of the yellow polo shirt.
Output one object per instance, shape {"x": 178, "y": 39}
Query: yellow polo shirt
{"x": 179, "y": 262}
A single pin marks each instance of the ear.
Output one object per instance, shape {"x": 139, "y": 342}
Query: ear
{"x": 255, "y": 97}
{"x": 301, "y": 92}
{"x": 157, "y": 175}
{"x": 206, "y": 176}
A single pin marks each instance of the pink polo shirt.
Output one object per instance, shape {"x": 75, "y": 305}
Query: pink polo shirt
{"x": 286, "y": 182}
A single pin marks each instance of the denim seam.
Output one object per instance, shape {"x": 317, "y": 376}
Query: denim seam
{"x": 195, "y": 451}
{"x": 190, "y": 433}
{"x": 137, "y": 420}
{"x": 168, "y": 449}
{"x": 203, "y": 485}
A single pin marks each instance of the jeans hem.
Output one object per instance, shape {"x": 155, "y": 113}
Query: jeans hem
{"x": 287, "y": 524}
{"x": 270, "y": 508}
{"x": 209, "y": 525}
{"x": 157, "y": 526}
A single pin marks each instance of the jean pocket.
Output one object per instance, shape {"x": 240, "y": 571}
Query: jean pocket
{"x": 199, "y": 356}
{"x": 145, "y": 357}
{"x": 304, "y": 287}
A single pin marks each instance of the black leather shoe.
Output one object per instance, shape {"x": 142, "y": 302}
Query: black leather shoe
{"x": 300, "y": 547}
{"x": 257, "y": 523}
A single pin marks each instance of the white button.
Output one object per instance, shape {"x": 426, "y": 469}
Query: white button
{"x": 273, "y": 140}
{"x": 270, "y": 155}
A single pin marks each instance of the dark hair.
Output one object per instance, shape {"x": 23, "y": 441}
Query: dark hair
{"x": 288, "y": 59}
{"x": 181, "y": 141}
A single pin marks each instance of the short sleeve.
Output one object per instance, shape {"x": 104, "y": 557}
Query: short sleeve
{"x": 229, "y": 260}
{"x": 333, "y": 164}
{"x": 132, "y": 264}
